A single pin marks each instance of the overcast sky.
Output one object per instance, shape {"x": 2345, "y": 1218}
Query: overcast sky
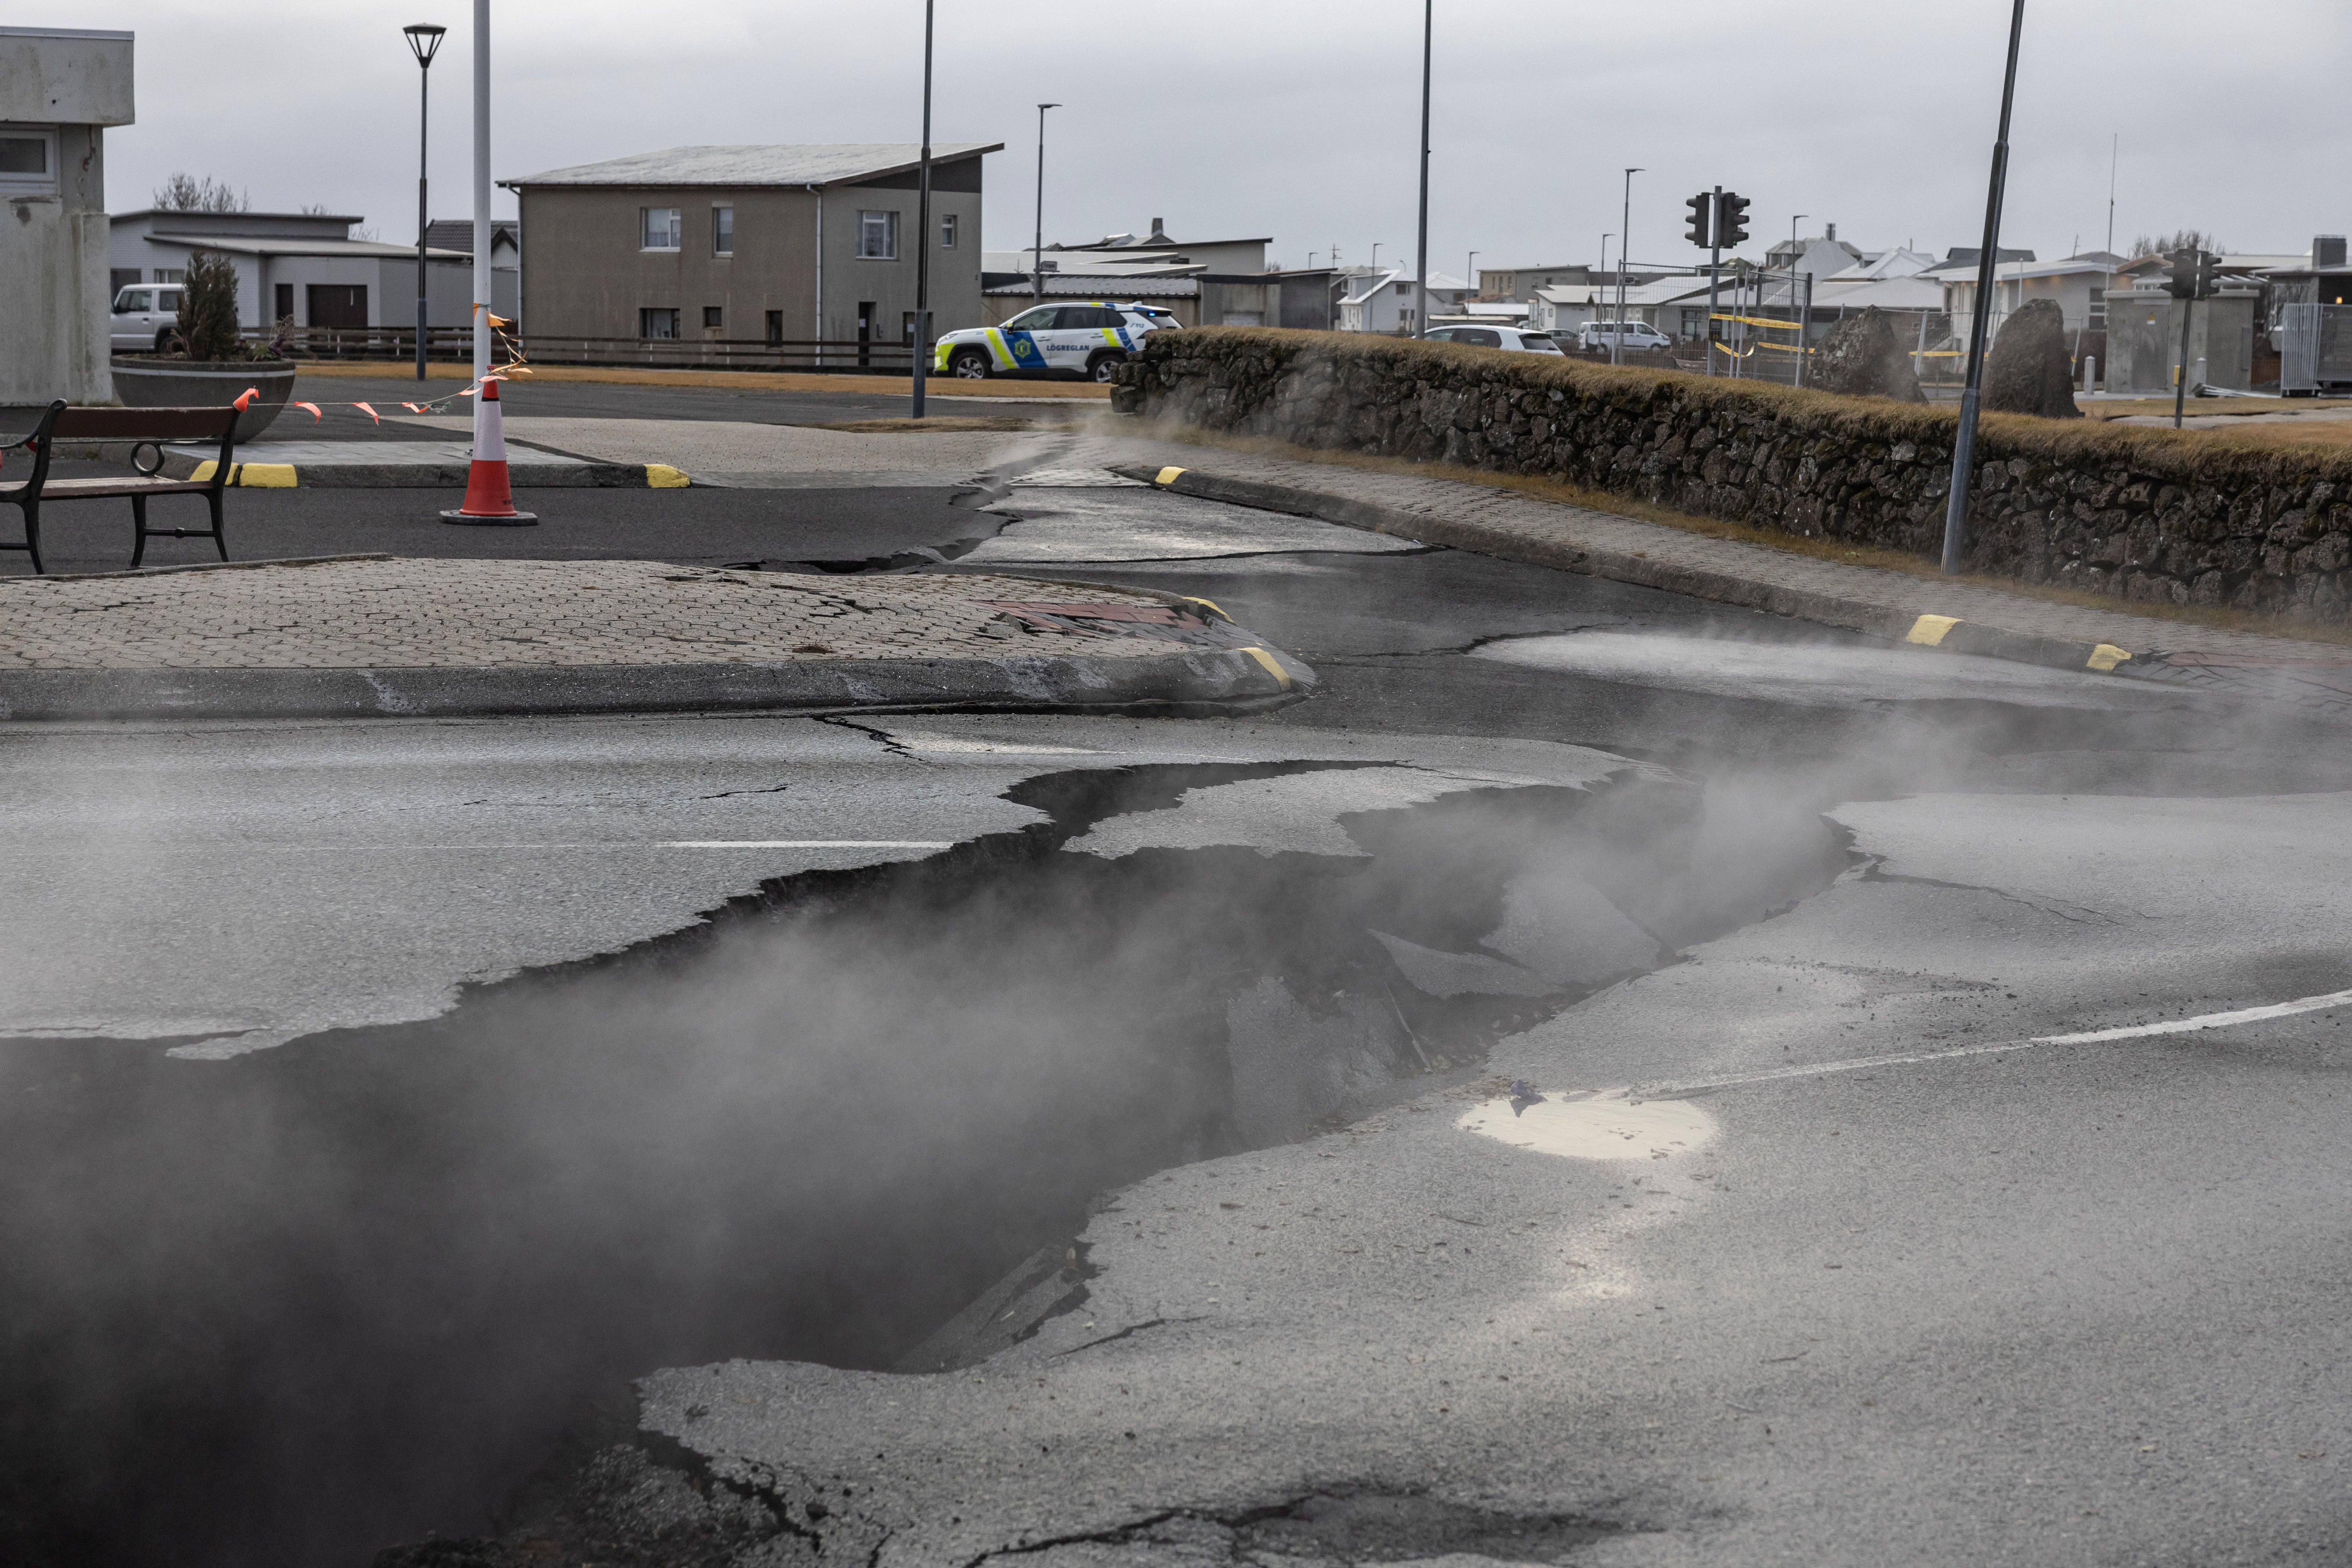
{"x": 1297, "y": 118}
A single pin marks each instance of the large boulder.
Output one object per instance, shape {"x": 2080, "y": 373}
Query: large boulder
{"x": 1862, "y": 357}
{"x": 2029, "y": 370}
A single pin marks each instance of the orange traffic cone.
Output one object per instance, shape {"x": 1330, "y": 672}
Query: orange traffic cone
{"x": 490, "y": 498}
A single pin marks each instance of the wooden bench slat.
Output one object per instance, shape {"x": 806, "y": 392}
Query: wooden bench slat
{"x": 106, "y": 490}
{"x": 143, "y": 424}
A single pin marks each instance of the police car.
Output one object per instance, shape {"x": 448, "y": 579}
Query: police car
{"x": 1089, "y": 339}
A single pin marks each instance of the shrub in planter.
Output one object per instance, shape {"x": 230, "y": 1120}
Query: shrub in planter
{"x": 207, "y": 324}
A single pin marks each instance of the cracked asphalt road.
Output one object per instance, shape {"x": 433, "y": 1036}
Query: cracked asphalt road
{"x": 1885, "y": 1294}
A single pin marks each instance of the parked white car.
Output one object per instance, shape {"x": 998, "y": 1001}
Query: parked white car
{"x": 1640, "y": 337}
{"x": 1516, "y": 339}
{"x": 145, "y": 316}
{"x": 1089, "y": 338}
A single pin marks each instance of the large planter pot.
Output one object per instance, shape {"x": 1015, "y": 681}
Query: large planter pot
{"x": 142, "y": 382}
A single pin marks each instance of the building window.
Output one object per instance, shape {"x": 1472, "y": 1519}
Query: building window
{"x": 722, "y": 231}
{"x": 775, "y": 329}
{"x": 947, "y": 231}
{"x": 657, "y": 324}
{"x": 28, "y": 161}
{"x": 2098, "y": 317}
{"x": 878, "y": 236}
{"x": 657, "y": 228}
{"x": 1404, "y": 287}
{"x": 171, "y": 275}
{"x": 713, "y": 317}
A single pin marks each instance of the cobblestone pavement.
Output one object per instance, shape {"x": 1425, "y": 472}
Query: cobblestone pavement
{"x": 425, "y": 613}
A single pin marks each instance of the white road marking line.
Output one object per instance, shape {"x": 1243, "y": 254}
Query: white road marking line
{"x": 1906, "y": 1058}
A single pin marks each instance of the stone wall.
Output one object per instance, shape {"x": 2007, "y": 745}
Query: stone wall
{"x": 2143, "y": 514}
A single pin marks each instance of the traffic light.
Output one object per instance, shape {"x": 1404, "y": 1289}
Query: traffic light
{"x": 1731, "y": 220}
{"x": 2186, "y": 271}
{"x": 1699, "y": 214}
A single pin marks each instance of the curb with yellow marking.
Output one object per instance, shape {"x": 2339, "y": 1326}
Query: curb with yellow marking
{"x": 1273, "y": 665}
{"x": 283, "y": 477}
{"x": 1929, "y": 631}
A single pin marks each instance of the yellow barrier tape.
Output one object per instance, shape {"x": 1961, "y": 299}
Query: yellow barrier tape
{"x": 1762, "y": 321}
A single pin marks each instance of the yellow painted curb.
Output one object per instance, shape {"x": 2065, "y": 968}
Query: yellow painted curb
{"x": 2105, "y": 657}
{"x": 1166, "y": 476}
{"x": 251, "y": 476}
{"x": 1211, "y": 603}
{"x": 1928, "y": 630}
{"x": 662, "y": 477}
{"x": 1273, "y": 665}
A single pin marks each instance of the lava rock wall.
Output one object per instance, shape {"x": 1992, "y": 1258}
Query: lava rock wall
{"x": 2142, "y": 514}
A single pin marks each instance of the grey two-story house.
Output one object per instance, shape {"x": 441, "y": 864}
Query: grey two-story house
{"x": 781, "y": 244}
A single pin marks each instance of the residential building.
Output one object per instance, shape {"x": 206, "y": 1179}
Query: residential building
{"x": 1521, "y": 283}
{"x": 456, "y": 234}
{"x": 2079, "y": 285}
{"x": 61, "y": 88}
{"x": 774, "y": 244}
{"x": 1219, "y": 256}
{"x": 305, "y": 265}
{"x": 1387, "y": 301}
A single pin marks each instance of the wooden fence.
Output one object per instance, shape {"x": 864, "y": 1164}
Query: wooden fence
{"x": 455, "y": 345}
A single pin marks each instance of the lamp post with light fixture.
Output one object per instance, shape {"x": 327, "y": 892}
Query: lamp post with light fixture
{"x": 424, "y": 42}
{"x": 1037, "y": 256}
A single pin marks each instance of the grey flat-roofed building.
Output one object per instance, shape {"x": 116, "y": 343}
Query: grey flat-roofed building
{"x": 781, "y": 244}
{"x": 305, "y": 265}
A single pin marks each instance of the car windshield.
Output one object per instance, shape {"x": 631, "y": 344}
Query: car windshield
{"x": 1037, "y": 321}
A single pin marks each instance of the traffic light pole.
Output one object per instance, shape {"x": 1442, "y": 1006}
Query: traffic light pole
{"x": 1713, "y": 271}
{"x": 1964, "y": 444}
{"x": 2181, "y": 375}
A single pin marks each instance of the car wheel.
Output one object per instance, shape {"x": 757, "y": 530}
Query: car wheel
{"x": 970, "y": 365}
{"x": 1105, "y": 366}
{"x": 163, "y": 341}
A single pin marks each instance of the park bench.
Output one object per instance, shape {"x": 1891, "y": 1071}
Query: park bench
{"x": 146, "y": 428}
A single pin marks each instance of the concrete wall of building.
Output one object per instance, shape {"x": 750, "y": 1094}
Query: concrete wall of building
{"x": 54, "y": 333}
{"x": 585, "y": 275}
{"x": 63, "y": 88}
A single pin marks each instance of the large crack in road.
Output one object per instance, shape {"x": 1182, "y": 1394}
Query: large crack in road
{"x": 285, "y": 1308}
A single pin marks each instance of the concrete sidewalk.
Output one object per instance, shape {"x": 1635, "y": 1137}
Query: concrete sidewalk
{"x": 384, "y": 635}
{"x": 1961, "y": 617}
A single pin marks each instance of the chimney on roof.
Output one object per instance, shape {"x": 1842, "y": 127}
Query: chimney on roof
{"x": 1829, "y": 232}
{"x": 1158, "y": 234}
{"x": 2327, "y": 250}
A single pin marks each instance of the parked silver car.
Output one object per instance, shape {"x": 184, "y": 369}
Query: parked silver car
{"x": 1640, "y": 336}
{"x": 145, "y": 316}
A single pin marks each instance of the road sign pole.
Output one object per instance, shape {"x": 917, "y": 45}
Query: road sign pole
{"x": 923, "y": 230}
{"x": 2180, "y": 373}
{"x": 1964, "y": 444}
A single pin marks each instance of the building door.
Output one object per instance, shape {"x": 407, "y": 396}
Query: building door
{"x": 865, "y": 309}
{"x": 339, "y": 305}
{"x": 284, "y": 301}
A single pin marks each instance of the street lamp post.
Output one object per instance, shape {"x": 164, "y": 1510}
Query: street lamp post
{"x": 1625, "y": 237}
{"x": 424, "y": 42}
{"x": 1794, "y": 219}
{"x": 1420, "y": 243}
{"x": 1964, "y": 444}
{"x": 1037, "y": 256}
{"x": 923, "y": 229}
{"x": 1595, "y": 301}
{"x": 1470, "y": 274}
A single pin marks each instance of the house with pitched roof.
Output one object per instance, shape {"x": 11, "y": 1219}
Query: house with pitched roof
{"x": 757, "y": 244}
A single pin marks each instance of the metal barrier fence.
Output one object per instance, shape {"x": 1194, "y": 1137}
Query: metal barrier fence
{"x": 455, "y": 345}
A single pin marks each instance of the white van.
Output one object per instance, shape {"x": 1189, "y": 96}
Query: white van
{"x": 1640, "y": 337}
{"x": 145, "y": 316}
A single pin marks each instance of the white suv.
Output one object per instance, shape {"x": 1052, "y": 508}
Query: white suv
{"x": 1090, "y": 338}
{"x": 1639, "y": 336}
{"x": 1514, "y": 340}
{"x": 145, "y": 316}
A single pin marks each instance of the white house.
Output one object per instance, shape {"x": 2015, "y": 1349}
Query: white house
{"x": 60, "y": 87}
{"x": 1385, "y": 301}
{"x": 2079, "y": 285}
{"x": 303, "y": 264}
